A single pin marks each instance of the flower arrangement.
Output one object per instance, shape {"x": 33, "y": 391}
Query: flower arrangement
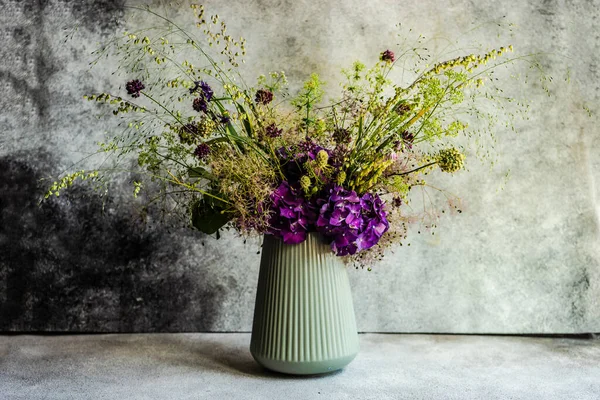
{"x": 252, "y": 158}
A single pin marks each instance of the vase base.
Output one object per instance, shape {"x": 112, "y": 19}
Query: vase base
{"x": 304, "y": 367}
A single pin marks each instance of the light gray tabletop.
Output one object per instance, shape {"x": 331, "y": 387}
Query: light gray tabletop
{"x": 219, "y": 366}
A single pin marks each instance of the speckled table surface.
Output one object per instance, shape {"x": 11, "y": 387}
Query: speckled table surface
{"x": 219, "y": 366}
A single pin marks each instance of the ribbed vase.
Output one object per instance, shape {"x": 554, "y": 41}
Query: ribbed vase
{"x": 304, "y": 317}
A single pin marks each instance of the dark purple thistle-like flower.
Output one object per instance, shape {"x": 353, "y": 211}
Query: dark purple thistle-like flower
{"x": 204, "y": 88}
{"x": 200, "y": 104}
{"x": 408, "y": 138}
{"x": 388, "y": 56}
{"x": 293, "y": 216}
{"x": 272, "y": 131}
{"x": 263, "y": 96}
{"x": 406, "y": 142}
{"x": 350, "y": 222}
{"x": 342, "y": 136}
{"x": 207, "y": 91}
{"x": 134, "y": 87}
{"x": 202, "y": 151}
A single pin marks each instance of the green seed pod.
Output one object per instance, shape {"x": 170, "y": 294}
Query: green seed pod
{"x": 322, "y": 159}
{"x": 305, "y": 183}
{"x": 450, "y": 160}
{"x": 206, "y": 126}
{"x": 341, "y": 178}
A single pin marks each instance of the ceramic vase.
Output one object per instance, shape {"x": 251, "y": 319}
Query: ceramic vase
{"x": 304, "y": 320}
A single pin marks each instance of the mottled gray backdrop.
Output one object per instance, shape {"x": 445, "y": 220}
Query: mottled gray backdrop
{"x": 522, "y": 257}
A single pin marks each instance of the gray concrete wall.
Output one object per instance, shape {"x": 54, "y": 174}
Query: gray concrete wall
{"x": 524, "y": 259}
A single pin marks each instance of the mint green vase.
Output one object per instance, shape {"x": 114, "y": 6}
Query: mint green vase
{"x": 304, "y": 318}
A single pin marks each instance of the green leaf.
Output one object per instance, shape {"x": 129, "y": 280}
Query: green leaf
{"x": 199, "y": 172}
{"x": 245, "y": 121}
{"x": 208, "y": 218}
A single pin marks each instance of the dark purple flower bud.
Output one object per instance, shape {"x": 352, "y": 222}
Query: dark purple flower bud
{"x": 202, "y": 151}
{"x": 388, "y": 56}
{"x": 134, "y": 87}
{"x": 263, "y": 96}
{"x": 408, "y": 138}
{"x": 224, "y": 119}
{"x": 402, "y": 109}
{"x": 342, "y": 136}
{"x": 272, "y": 131}
{"x": 200, "y": 104}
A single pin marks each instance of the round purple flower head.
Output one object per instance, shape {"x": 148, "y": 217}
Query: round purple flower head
{"x": 388, "y": 56}
{"x": 272, "y": 131}
{"x": 202, "y": 151}
{"x": 263, "y": 96}
{"x": 206, "y": 94}
{"x": 134, "y": 87}
{"x": 200, "y": 104}
{"x": 350, "y": 222}
{"x": 292, "y": 214}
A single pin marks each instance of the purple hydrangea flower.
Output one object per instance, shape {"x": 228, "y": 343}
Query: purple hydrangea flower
{"x": 350, "y": 222}
{"x": 134, "y": 87}
{"x": 263, "y": 96}
{"x": 293, "y": 216}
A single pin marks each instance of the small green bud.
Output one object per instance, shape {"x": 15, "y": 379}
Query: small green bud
{"x": 322, "y": 159}
{"x": 305, "y": 183}
{"x": 341, "y": 178}
{"x": 450, "y": 160}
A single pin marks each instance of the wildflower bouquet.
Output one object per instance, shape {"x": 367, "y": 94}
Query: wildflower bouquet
{"x": 253, "y": 158}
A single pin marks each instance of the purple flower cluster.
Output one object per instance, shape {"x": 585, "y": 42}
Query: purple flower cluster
{"x": 202, "y": 151}
{"x": 263, "y": 96}
{"x": 204, "y": 88}
{"x": 273, "y": 131}
{"x": 350, "y": 222}
{"x": 206, "y": 94}
{"x": 388, "y": 56}
{"x": 292, "y": 214}
{"x": 134, "y": 87}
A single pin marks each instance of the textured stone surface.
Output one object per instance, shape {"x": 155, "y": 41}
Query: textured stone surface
{"x": 521, "y": 260}
{"x": 209, "y": 366}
